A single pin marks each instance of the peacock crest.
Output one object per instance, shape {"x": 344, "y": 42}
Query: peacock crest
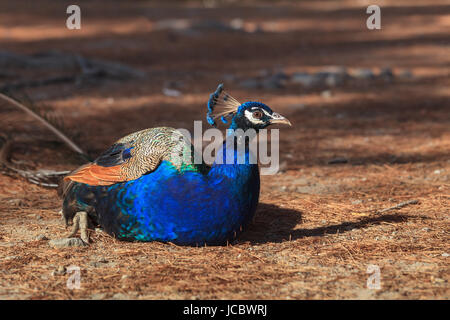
{"x": 221, "y": 105}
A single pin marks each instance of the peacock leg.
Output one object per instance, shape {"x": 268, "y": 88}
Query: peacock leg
{"x": 80, "y": 221}
{"x": 63, "y": 218}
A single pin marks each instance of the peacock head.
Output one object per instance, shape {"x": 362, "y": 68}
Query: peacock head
{"x": 248, "y": 115}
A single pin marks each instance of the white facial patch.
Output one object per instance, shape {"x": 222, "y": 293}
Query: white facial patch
{"x": 252, "y": 119}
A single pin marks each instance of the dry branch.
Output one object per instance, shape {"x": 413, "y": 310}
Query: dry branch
{"x": 90, "y": 69}
{"x": 42, "y": 177}
{"x": 47, "y": 124}
{"x": 398, "y": 206}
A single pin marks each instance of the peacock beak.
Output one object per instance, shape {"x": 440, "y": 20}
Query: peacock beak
{"x": 278, "y": 118}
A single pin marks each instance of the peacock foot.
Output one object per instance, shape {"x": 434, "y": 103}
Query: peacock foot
{"x": 80, "y": 222}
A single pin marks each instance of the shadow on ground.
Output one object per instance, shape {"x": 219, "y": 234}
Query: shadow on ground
{"x": 277, "y": 224}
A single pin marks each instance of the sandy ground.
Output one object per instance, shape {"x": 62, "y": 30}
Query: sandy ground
{"x": 317, "y": 229}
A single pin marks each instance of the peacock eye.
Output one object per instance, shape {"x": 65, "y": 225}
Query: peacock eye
{"x": 257, "y": 114}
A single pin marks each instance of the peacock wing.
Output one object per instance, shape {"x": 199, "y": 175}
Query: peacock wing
{"x": 135, "y": 155}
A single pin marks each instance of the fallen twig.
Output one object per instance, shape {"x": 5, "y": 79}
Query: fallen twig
{"x": 38, "y": 83}
{"x": 47, "y": 124}
{"x": 398, "y": 206}
{"x": 42, "y": 177}
{"x": 90, "y": 69}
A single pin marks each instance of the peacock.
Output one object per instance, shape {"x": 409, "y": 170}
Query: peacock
{"x": 143, "y": 188}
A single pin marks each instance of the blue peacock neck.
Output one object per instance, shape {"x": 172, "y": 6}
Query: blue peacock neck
{"x": 235, "y": 159}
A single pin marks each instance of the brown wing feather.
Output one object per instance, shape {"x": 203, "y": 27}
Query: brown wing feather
{"x": 131, "y": 157}
{"x": 95, "y": 175}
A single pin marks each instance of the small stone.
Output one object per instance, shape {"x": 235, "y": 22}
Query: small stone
{"x": 326, "y": 94}
{"x": 437, "y": 171}
{"x": 405, "y": 74}
{"x": 237, "y": 24}
{"x": 40, "y": 237}
{"x": 280, "y": 74}
{"x": 305, "y": 79}
{"x": 120, "y": 296}
{"x": 211, "y": 25}
{"x": 60, "y": 270}
{"x": 338, "y": 160}
{"x": 171, "y": 92}
{"x": 305, "y": 189}
{"x": 426, "y": 229}
{"x": 273, "y": 82}
{"x": 98, "y": 263}
{"x": 445, "y": 255}
{"x": 16, "y": 202}
{"x": 439, "y": 280}
{"x": 95, "y": 264}
{"x": 364, "y": 74}
{"x": 321, "y": 76}
{"x": 66, "y": 243}
{"x": 386, "y": 74}
{"x": 301, "y": 181}
{"x": 250, "y": 84}
{"x": 282, "y": 167}
{"x": 337, "y": 70}
{"x": 172, "y": 24}
{"x": 334, "y": 79}
{"x": 357, "y": 201}
{"x": 98, "y": 296}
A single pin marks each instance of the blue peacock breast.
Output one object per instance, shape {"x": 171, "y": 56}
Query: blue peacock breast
{"x": 185, "y": 208}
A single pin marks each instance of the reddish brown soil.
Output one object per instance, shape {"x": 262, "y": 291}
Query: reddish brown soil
{"x": 316, "y": 230}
